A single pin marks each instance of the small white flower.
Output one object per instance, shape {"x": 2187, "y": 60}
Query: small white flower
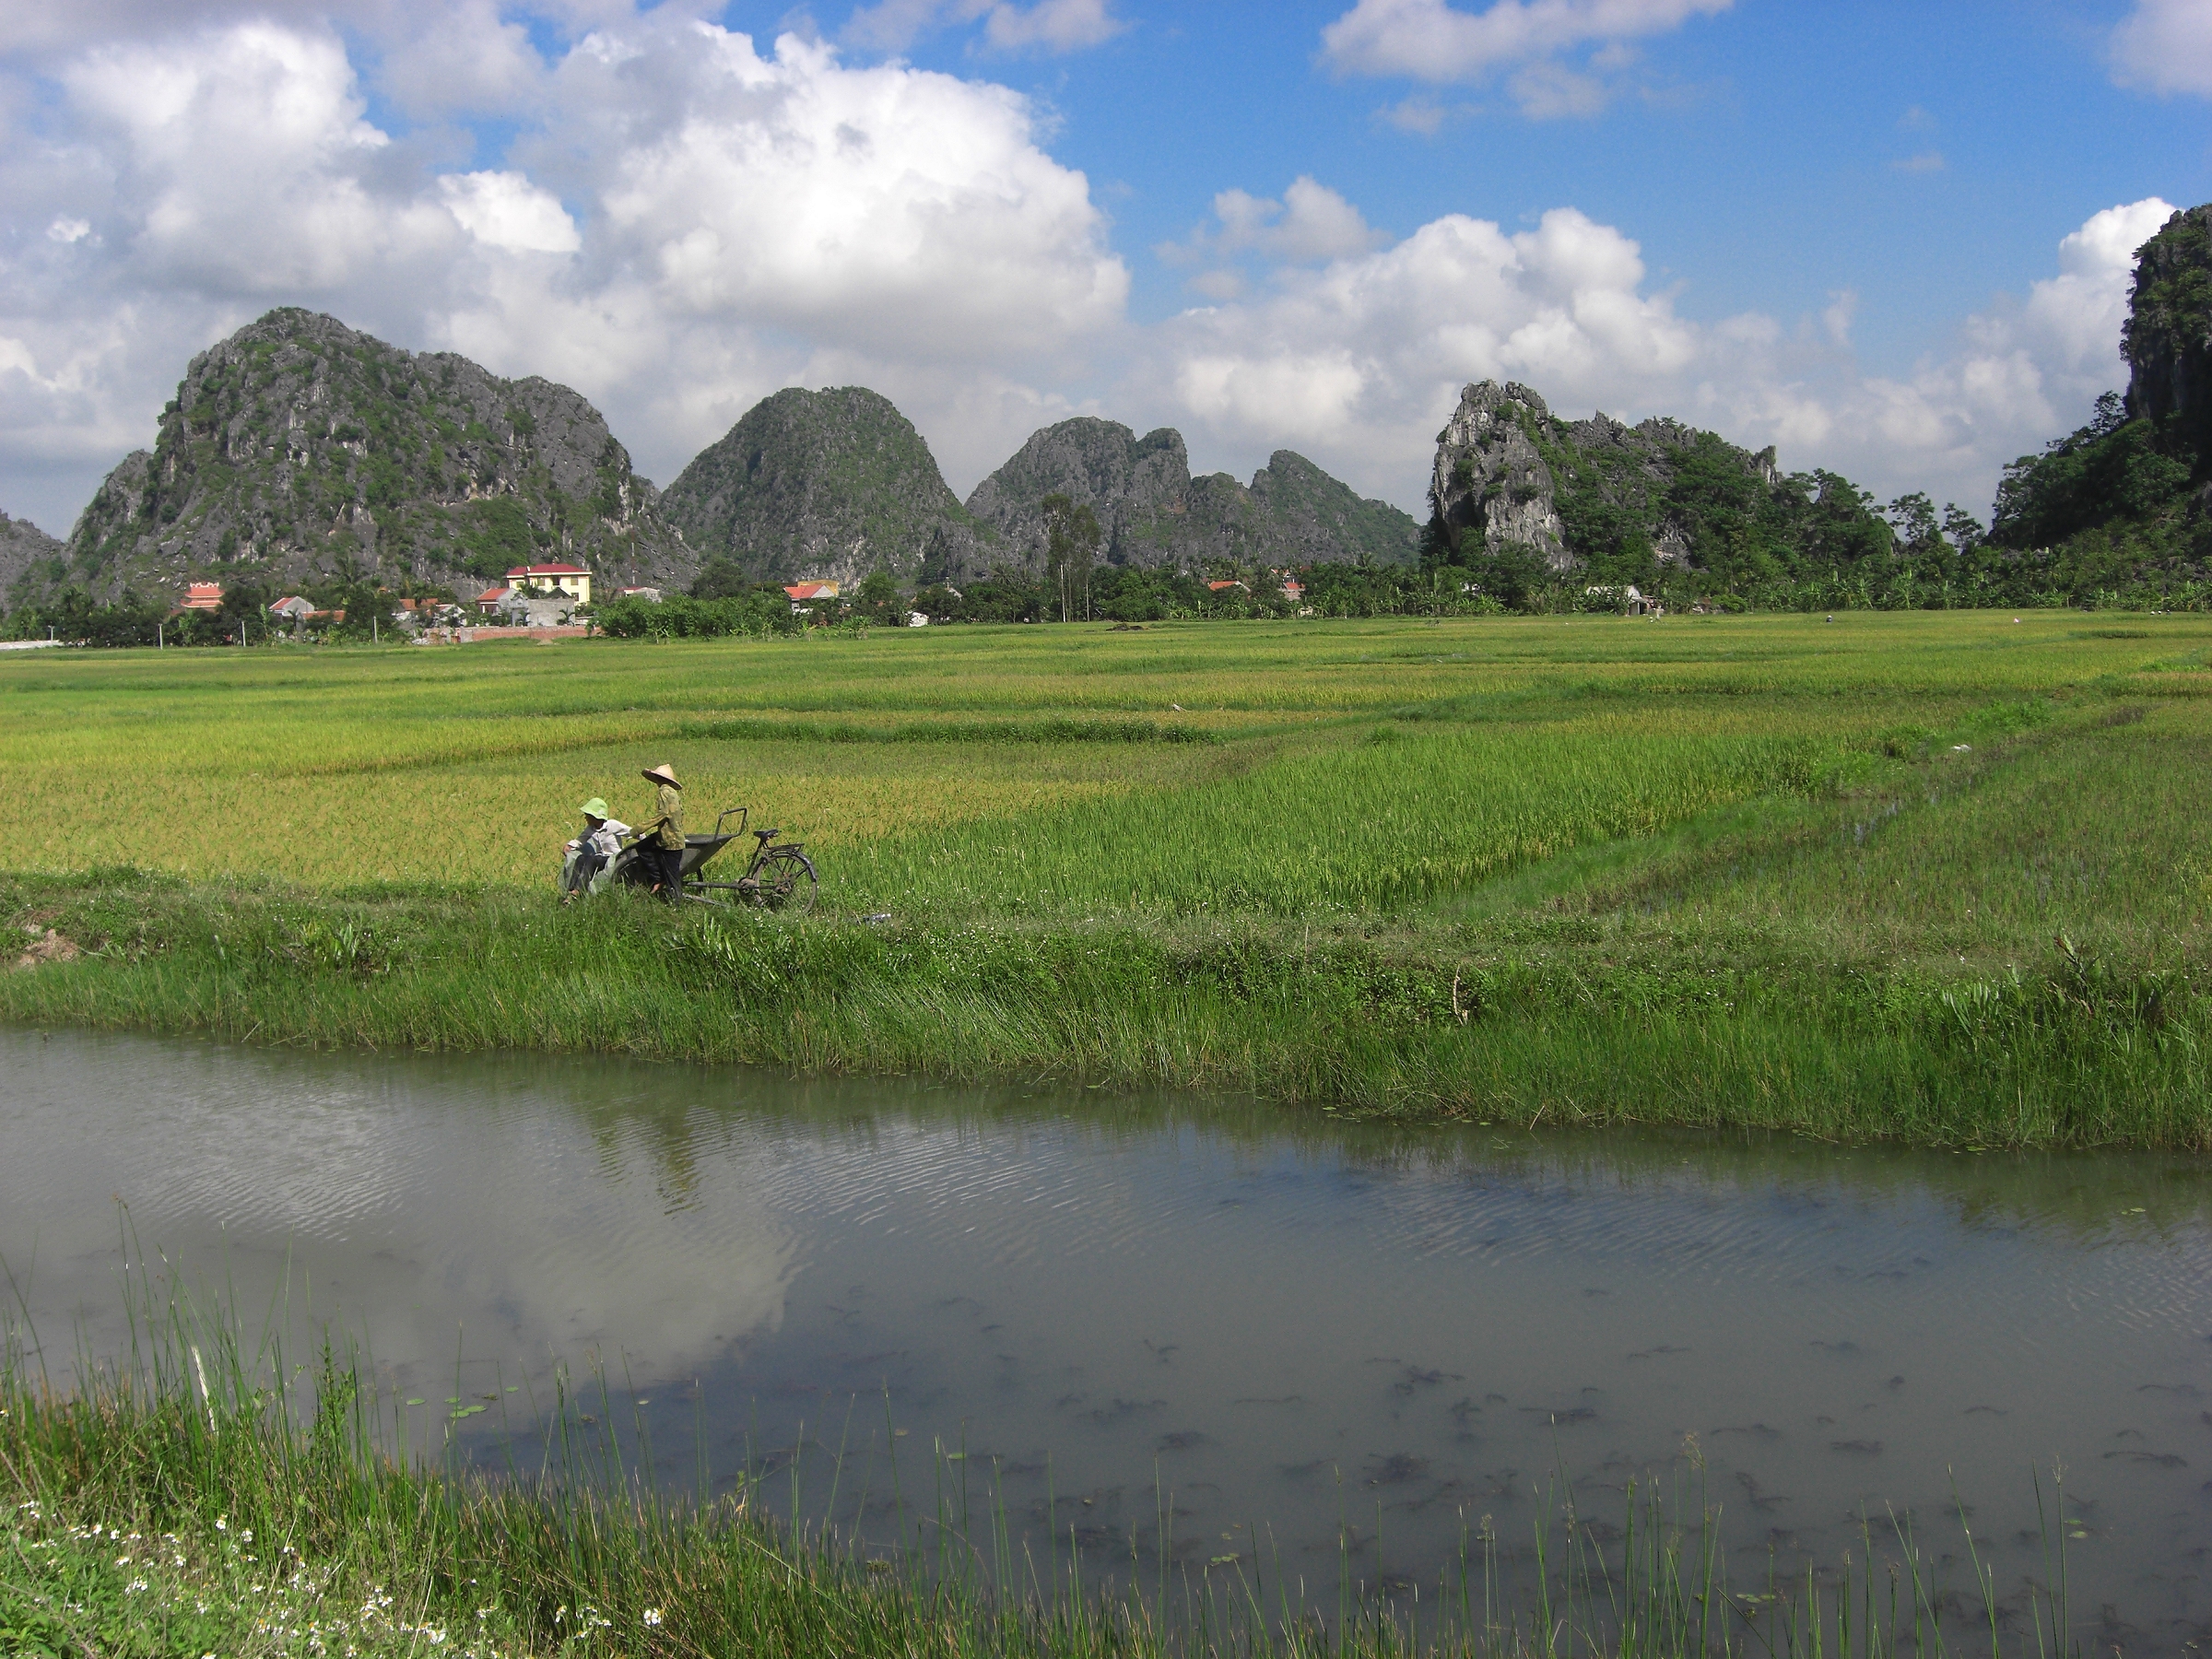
{"x": 653, "y": 1616}
{"x": 247, "y": 1535}
{"x": 222, "y": 1523}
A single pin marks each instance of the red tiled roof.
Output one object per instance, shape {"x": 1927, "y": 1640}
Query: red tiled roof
{"x": 491, "y": 595}
{"x": 811, "y": 589}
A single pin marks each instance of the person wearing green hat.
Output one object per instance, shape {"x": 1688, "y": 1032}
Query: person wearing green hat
{"x": 591, "y": 855}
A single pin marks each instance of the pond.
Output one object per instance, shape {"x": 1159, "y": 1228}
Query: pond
{"x": 1204, "y": 1332}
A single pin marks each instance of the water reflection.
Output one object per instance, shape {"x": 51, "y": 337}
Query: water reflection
{"x": 1198, "y": 1330}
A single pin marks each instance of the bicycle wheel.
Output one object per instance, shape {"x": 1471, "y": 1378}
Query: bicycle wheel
{"x": 786, "y": 881}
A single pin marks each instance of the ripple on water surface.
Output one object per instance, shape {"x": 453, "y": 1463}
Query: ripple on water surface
{"x": 1276, "y": 1320}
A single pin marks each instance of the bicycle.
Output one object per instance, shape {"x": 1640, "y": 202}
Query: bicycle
{"x": 780, "y": 877}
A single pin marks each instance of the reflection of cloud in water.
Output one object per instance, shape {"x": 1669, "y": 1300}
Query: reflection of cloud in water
{"x": 408, "y": 1197}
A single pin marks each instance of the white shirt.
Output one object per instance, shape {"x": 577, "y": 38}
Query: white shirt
{"x": 605, "y": 840}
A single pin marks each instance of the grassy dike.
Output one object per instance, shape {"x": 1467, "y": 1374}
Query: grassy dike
{"x": 1542, "y": 1012}
{"x": 1992, "y": 931}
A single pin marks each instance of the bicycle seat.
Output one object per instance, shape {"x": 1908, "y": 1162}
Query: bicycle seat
{"x": 764, "y": 834}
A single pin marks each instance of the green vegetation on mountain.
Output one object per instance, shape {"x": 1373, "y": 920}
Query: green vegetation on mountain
{"x": 820, "y": 484}
{"x": 1153, "y": 514}
{"x": 2120, "y": 505}
{"x": 1538, "y": 510}
{"x": 298, "y": 450}
{"x": 26, "y": 548}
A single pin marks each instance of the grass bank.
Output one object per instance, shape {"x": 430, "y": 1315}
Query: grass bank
{"x": 202, "y": 1497}
{"x": 1941, "y": 879}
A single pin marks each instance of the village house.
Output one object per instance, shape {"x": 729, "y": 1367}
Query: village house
{"x": 292, "y": 609}
{"x": 203, "y": 595}
{"x": 1630, "y": 601}
{"x": 501, "y": 605}
{"x": 804, "y": 595}
{"x": 574, "y": 582}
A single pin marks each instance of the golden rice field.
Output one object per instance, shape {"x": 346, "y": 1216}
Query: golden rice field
{"x": 1357, "y": 766}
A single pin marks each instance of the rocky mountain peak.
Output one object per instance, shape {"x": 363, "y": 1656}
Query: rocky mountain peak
{"x": 2167, "y": 336}
{"x": 299, "y": 448}
{"x": 1491, "y": 479}
{"x": 25, "y": 551}
{"x": 1152, "y": 511}
{"x": 831, "y": 483}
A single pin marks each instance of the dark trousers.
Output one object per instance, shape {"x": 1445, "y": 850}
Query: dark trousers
{"x": 667, "y": 871}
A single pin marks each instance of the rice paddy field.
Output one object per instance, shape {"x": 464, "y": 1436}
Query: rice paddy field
{"x": 1942, "y": 875}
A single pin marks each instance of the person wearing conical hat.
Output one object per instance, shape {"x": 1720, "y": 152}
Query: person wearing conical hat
{"x": 667, "y": 845}
{"x": 591, "y": 855}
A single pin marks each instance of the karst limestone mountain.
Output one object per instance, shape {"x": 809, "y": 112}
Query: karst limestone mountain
{"x": 300, "y": 450}
{"x": 1510, "y": 476}
{"x": 1152, "y": 511}
{"x": 27, "y": 551}
{"x": 834, "y": 483}
{"x": 2167, "y": 338}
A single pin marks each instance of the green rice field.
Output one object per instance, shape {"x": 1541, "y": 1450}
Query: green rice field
{"x": 1938, "y": 875}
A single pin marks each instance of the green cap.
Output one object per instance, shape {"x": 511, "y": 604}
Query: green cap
{"x": 594, "y": 807}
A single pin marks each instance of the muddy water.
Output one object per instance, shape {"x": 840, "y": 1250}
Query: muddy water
{"x": 1229, "y": 1336}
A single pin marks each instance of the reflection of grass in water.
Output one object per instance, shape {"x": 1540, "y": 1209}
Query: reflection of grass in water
{"x": 203, "y": 1496}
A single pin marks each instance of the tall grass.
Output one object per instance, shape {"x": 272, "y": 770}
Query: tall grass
{"x": 201, "y": 1494}
{"x": 1942, "y": 877}
{"x": 336, "y": 767}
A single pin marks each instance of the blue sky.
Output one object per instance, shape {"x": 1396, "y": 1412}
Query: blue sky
{"x": 1762, "y": 157}
{"x": 1892, "y": 239}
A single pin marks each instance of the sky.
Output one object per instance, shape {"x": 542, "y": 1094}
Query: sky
{"x": 1892, "y": 240}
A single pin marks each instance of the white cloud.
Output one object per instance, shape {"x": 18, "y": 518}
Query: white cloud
{"x": 688, "y": 223}
{"x": 1416, "y": 114}
{"x": 1051, "y": 25}
{"x": 733, "y": 222}
{"x": 1042, "y": 25}
{"x": 1312, "y": 222}
{"x": 1357, "y": 362}
{"x": 1549, "y": 91}
{"x": 505, "y": 210}
{"x": 2165, "y": 45}
{"x": 1431, "y": 40}
{"x": 241, "y": 160}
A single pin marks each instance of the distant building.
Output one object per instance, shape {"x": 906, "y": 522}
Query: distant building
{"x": 204, "y": 595}
{"x": 805, "y": 593}
{"x": 499, "y": 601}
{"x": 1294, "y": 591}
{"x": 1222, "y": 587}
{"x": 291, "y": 607}
{"x": 1630, "y": 601}
{"x": 917, "y": 618}
{"x": 571, "y": 580}
{"x": 652, "y": 595}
